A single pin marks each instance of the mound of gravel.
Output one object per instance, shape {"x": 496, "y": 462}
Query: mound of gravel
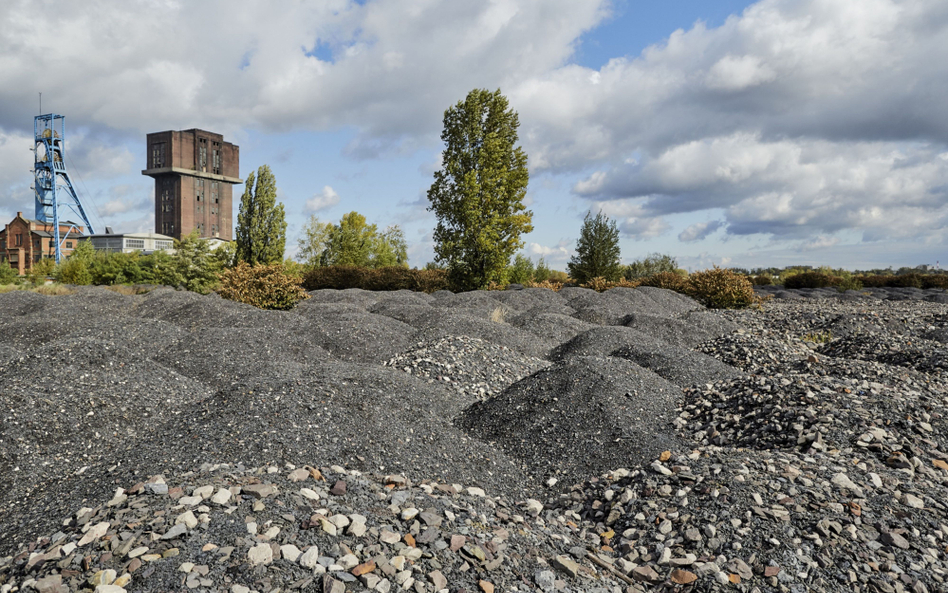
{"x": 556, "y": 327}
{"x": 464, "y": 323}
{"x": 917, "y": 353}
{"x": 687, "y": 331}
{"x": 601, "y": 341}
{"x": 473, "y": 368}
{"x": 360, "y": 337}
{"x": 578, "y": 417}
{"x": 681, "y": 366}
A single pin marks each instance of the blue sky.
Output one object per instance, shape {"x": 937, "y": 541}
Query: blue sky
{"x": 722, "y": 132}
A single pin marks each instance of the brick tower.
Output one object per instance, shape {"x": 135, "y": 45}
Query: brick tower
{"x": 194, "y": 173}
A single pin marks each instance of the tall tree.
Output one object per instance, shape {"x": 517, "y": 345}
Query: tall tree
{"x": 261, "y": 222}
{"x": 597, "y": 250}
{"x": 477, "y": 195}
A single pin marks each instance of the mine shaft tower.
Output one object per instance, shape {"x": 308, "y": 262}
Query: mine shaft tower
{"x": 54, "y": 191}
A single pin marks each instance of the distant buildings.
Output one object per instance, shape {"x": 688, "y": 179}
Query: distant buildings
{"x": 194, "y": 173}
{"x": 25, "y": 241}
{"x": 129, "y": 242}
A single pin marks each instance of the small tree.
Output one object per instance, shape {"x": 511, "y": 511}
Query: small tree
{"x": 261, "y": 222}
{"x": 653, "y": 263}
{"x": 352, "y": 242}
{"x": 521, "y": 271}
{"x": 477, "y": 195}
{"x": 597, "y": 250}
{"x": 193, "y": 266}
{"x": 7, "y": 274}
{"x": 76, "y": 268}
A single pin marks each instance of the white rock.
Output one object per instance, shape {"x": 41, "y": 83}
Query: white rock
{"x": 348, "y": 561}
{"x": 221, "y": 496}
{"x": 843, "y": 481}
{"x": 204, "y": 492}
{"x": 188, "y": 519}
{"x": 260, "y": 554}
{"x": 239, "y": 589}
{"x": 913, "y": 501}
{"x": 136, "y": 552}
{"x": 409, "y": 514}
{"x": 310, "y": 494}
{"x": 310, "y": 558}
{"x": 186, "y": 567}
{"x": 94, "y": 533}
{"x": 109, "y": 589}
{"x": 190, "y": 500}
{"x": 534, "y": 507}
{"x": 290, "y": 552}
{"x": 475, "y": 491}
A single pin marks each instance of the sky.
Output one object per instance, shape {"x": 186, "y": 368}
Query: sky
{"x": 721, "y": 132}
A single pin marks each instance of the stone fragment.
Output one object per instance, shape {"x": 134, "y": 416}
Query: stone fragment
{"x": 913, "y": 501}
{"x": 894, "y": 539}
{"x": 331, "y": 585}
{"x": 260, "y": 554}
{"x": 109, "y": 589}
{"x": 188, "y": 519}
{"x": 682, "y": 577}
{"x": 438, "y": 580}
{"x": 94, "y": 533}
{"x": 567, "y": 565}
{"x": 103, "y": 577}
{"x": 645, "y": 574}
{"x": 338, "y": 489}
{"x": 290, "y": 552}
{"x": 259, "y": 491}
{"x": 298, "y": 475}
{"x": 51, "y": 584}
{"x": 843, "y": 481}
{"x": 364, "y": 568}
{"x": 388, "y": 537}
{"x": 176, "y": 531}
{"x": 221, "y": 497}
{"x": 486, "y": 586}
{"x": 310, "y": 558}
{"x": 309, "y": 493}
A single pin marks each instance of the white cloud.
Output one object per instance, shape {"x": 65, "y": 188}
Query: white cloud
{"x": 327, "y": 198}
{"x": 699, "y": 231}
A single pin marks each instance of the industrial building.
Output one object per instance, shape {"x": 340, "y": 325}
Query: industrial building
{"x": 25, "y": 241}
{"x": 146, "y": 243}
{"x": 194, "y": 172}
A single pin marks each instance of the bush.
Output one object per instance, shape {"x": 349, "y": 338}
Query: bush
{"x": 720, "y": 289}
{"x": 669, "y": 280}
{"x": 7, "y": 274}
{"x": 521, "y": 271}
{"x": 263, "y": 286}
{"x": 74, "y": 271}
{"x": 388, "y": 278}
{"x": 40, "y": 270}
{"x": 812, "y": 280}
{"x": 762, "y": 280}
{"x": 653, "y": 263}
{"x": 935, "y": 281}
{"x": 849, "y": 283}
{"x": 905, "y": 281}
{"x": 873, "y": 281}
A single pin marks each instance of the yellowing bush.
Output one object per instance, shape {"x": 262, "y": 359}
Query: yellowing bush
{"x": 266, "y": 287}
{"x": 720, "y": 289}
{"x": 669, "y": 280}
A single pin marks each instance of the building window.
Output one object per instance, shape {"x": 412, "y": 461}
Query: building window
{"x": 167, "y": 228}
{"x": 68, "y": 244}
{"x": 217, "y": 158}
{"x": 19, "y": 239}
{"x": 134, "y": 243}
{"x": 199, "y": 190}
{"x": 202, "y": 155}
{"x": 160, "y": 245}
{"x": 157, "y": 155}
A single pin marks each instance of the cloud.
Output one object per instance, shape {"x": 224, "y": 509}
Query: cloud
{"x": 699, "y": 231}
{"x": 323, "y": 200}
{"x": 555, "y": 254}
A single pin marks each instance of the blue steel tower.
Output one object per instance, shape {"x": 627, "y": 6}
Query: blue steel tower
{"x": 54, "y": 191}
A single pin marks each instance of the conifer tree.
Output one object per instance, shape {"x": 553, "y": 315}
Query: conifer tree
{"x": 597, "y": 250}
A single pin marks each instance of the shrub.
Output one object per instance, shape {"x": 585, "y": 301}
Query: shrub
{"x": 388, "y": 278}
{"x": 872, "y": 281}
{"x": 720, "y": 289}
{"x": 812, "y": 280}
{"x": 935, "y": 281}
{"x": 40, "y": 270}
{"x": 7, "y": 274}
{"x": 762, "y": 280}
{"x": 669, "y": 280}
{"x": 653, "y": 263}
{"x": 263, "y": 286}
{"x": 554, "y": 286}
{"x": 521, "y": 271}
{"x": 74, "y": 271}
{"x": 905, "y": 281}
{"x": 849, "y": 283}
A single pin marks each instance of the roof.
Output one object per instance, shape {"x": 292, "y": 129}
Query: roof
{"x": 49, "y": 234}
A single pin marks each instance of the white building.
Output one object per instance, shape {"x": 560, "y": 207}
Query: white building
{"x": 129, "y": 242}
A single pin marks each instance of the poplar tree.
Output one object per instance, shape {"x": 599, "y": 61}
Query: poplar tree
{"x": 477, "y": 195}
{"x": 261, "y": 222}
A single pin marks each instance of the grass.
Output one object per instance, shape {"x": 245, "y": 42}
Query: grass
{"x": 819, "y": 337}
{"x": 47, "y": 289}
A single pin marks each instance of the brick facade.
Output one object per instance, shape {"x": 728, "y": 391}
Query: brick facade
{"x": 25, "y": 241}
{"x": 194, "y": 172}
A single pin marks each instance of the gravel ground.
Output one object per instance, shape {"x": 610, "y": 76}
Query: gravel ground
{"x": 170, "y": 441}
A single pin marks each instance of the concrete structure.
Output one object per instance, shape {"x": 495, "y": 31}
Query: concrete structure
{"x": 194, "y": 173}
{"x": 128, "y": 242}
{"x": 25, "y": 241}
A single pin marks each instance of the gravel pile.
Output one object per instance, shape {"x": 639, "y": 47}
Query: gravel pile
{"x": 471, "y": 367}
{"x": 578, "y": 417}
{"x": 169, "y": 442}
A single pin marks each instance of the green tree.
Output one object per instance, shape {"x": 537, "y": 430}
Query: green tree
{"x": 352, "y": 242}
{"x": 7, "y": 274}
{"x": 261, "y": 222}
{"x": 193, "y": 266}
{"x": 597, "y": 250}
{"x": 653, "y": 263}
{"x": 76, "y": 268}
{"x": 521, "y": 271}
{"x": 477, "y": 195}
{"x": 542, "y": 271}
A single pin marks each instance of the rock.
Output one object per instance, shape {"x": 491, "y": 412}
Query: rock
{"x": 486, "y": 586}
{"x": 290, "y": 552}
{"x": 567, "y": 565}
{"x": 50, "y": 584}
{"x": 259, "y": 491}
{"x": 109, "y": 589}
{"x": 645, "y": 574}
{"x": 298, "y": 475}
{"x": 188, "y": 519}
{"x": 438, "y": 580}
{"x": 894, "y": 539}
{"x": 843, "y": 481}
{"x": 94, "y": 533}
{"x": 364, "y": 568}
{"x": 310, "y": 558}
{"x": 331, "y": 585}
{"x": 103, "y": 577}
{"x": 260, "y": 554}
{"x": 177, "y": 530}
{"x": 912, "y": 501}
{"x": 309, "y": 493}
{"x": 338, "y": 489}
{"x": 221, "y": 497}
{"x": 682, "y": 577}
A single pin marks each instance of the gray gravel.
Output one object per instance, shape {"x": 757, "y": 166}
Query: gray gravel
{"x": 822, "y": 467}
